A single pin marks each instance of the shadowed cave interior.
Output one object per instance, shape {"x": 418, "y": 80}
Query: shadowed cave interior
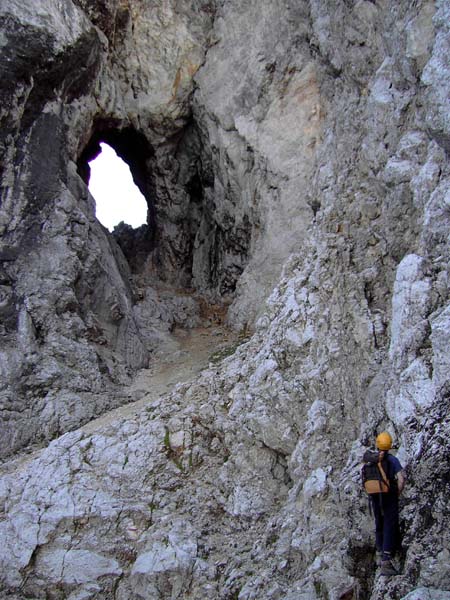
{"x": 189, "y": 240}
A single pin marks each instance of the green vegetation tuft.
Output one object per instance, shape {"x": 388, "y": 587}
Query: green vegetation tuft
{"x": 167, "y": 440}
{"x": 223, "y": 353}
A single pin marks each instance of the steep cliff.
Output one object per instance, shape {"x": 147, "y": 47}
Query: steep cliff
{"x": 294, "y": 158}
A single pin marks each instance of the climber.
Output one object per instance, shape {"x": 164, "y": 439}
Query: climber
{"x": 385, "y": 505}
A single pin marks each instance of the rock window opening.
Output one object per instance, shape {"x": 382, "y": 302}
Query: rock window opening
{"x": 117, "y": 198}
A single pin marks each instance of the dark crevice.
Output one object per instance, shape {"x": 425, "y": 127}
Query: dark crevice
{"x": 361, "y": 560}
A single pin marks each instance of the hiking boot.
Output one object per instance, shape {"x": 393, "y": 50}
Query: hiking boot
{"x": 388, "y": 569}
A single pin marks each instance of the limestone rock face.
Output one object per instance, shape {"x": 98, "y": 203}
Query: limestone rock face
{"x": 70, "y": 333}
{"x": 295, "y": 161}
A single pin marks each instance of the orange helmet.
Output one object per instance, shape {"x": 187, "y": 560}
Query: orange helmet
{"x": 384, "y": 441}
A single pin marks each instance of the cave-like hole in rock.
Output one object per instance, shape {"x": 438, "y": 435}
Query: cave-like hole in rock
{"x": 196, "y": 238}
{"x": 133, "y": 150}
{"x": 117, "y": 198}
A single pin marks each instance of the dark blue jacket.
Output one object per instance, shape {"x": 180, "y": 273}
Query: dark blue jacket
{"x": 394, "y": 467}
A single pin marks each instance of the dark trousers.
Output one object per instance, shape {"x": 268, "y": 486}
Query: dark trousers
{"x": 385, "y": 510}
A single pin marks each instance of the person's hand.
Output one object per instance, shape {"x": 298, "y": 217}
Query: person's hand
{"x": 401, "y": 480}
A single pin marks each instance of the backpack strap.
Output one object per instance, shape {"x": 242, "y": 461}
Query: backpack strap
{"x": 382, "y": 471}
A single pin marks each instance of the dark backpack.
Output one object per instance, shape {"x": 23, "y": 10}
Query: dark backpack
{"x": 375, "y": 473}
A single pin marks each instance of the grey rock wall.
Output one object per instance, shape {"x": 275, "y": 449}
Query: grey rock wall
{"x": 296, "y": 170}
{"x": 70, "y": 335}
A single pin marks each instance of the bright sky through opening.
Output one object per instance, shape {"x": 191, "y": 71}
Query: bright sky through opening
{"x": 116, "y": 196}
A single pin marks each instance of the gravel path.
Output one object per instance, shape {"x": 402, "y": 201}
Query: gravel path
{"x": 183, "y": 356}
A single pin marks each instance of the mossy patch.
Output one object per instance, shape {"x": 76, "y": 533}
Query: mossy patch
{"x": 227, "y": 351}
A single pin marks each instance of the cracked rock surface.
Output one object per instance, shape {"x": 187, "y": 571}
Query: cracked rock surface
{"x": 184, "y": 407}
